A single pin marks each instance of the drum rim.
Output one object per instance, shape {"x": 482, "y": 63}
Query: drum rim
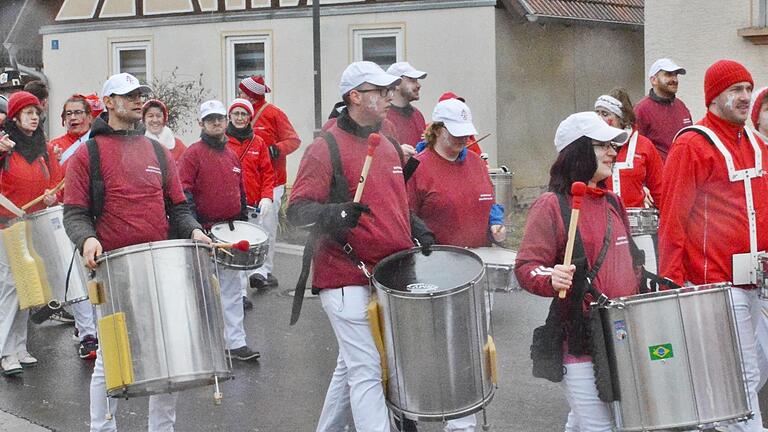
{"x": 239, "y": 222}
{"x": 379, "y": 286}
{"x": 155, "y": 245}
{"x": 660, "y": 295}
{"x": 495, "y": 249}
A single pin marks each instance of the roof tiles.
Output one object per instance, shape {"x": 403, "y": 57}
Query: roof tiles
{"x": 616, "y": 11}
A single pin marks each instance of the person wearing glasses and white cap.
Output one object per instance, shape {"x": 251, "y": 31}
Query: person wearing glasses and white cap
{"x": 661, "y": 114}
{"x": 407, "y": 120}
{"x": 586, "y": 148}
{"x": 374, "y": 228}
{"x": 129, "y": 171}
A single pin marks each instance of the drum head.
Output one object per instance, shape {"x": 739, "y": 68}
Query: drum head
{"x": 445, "y": 269}
{"x": 496, "y": 255}
{"x": 242, "y": 231}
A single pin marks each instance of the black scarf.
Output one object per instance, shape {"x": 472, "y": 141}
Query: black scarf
{"x": 213, "y": 142}
{"x": 29, "y": 147}
{"x": 405, "y": 111}
{"x": 345, "y": 123}
{"x": 662, "y": 100}
{"x": 242, "y": 134}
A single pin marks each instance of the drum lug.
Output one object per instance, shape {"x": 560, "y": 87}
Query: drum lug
{"x": 217, "y": 395}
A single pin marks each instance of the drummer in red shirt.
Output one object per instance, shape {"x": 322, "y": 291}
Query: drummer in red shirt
{"x": 28, "y": 169}
{"x": 586, "y": 152}
{"x": 452, "y": 193}
{"x": 715, "y": 208}
{"x": 636, "y": 176}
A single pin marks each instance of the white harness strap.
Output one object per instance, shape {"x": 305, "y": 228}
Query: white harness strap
{"x": 627, "y": 164}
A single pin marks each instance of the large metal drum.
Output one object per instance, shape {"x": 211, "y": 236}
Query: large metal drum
{"x": 677, "y": 359}
{"x": 432, "y": 312}
{"x": 160, "y": 318}
{"x": 58, "y": 254}
{"x": 501, "y": 179}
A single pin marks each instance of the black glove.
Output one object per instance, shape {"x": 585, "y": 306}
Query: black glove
{"x": 274, "y": 151}
{"x": 341, "y": 216}
{"x": 426, "y": 240}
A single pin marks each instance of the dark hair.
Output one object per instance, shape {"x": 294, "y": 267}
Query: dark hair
{"x": 627, "y": 111}
{"x": 75, "y": 98}
{"x": 577, "y": 162}
{"x": 37, "y": 88}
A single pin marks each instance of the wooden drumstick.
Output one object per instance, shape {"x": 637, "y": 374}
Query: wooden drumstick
{"x": 242, "y": 245}
{"x": 41, "y": 197}
{"x": 578, "y": 189}
{"x": 373, "y": 142}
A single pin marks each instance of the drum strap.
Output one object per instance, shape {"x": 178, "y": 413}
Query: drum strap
{"x": 628, "y": 163}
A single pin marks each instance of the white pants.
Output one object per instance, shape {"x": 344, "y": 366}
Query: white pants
{"x": 162, "y": 408}
{"x": 762, "y": 339}
{"x": 588, "y": 413}
{"x": 232, "y": 281}
{"x": 84, "y": 321}
{"x": 269, "y": 223}
{"x": 356, "y": 382}
{"x": 13, "y": 322}
{"x": 645, "y": 243}
{"x": 464, "y": 424}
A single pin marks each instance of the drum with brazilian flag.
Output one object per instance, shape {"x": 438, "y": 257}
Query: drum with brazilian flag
{"x": 661, "y": 352}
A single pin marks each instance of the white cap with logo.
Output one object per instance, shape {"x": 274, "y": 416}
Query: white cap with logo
{"x": 365, "y": 72}
{"x": 122, "y": 84}
{"x": 212, "y": 107}
{"x": 664, "y": 64}
{"x": 587, "y": 124}
{"x": 456, "y": 116}
{"x": 404, "y": 69}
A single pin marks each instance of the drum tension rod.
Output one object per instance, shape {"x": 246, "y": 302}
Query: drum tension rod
{"x": 217, "y": 396}
{"x": 486, "y": 426}
{"x": 108, "y": 416}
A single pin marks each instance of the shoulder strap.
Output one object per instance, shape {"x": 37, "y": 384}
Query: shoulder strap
{"x": 96, "y": 186}
{"x": 258, "y": 113}
{"x": 162, "y": 161}
{"x": 399, "y": 149}
{"x": 339, "y": 185}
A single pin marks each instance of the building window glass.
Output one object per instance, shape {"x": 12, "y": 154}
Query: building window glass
{"x": 132, "y": 57}
{"x": 382, "y": 46}
{"x": 246, "y": 56}
{"x": 762, "y": 13}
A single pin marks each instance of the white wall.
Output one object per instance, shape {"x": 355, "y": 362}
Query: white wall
{"x": 455, "y": 46}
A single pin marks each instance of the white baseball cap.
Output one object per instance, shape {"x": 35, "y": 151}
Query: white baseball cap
{"x": 122, "y": 84}
{"x": 587, "y": 124}
{"x": 404, "y": 69}
{"x": 212, "y": 107}
{"x": 665, "y": 64}
{"x": 365, "y": 72}
{"x": 456, "y": 116}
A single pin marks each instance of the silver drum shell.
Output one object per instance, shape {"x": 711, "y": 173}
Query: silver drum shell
{"x": 504, "y": 192}
{"x": 173, "y": 314}
{"x": 434, "y": 343}
{"x": 702, "y": 383}
{"x": 251, "y": 259}
{"x": 57, "y": 252}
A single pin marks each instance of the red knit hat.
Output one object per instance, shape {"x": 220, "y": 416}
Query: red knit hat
{"x": 242, "y": 103}
{"x": 20, "y": 100}
{"x": 758, "y": 99}
{"x": 721, "y": 75}
{"x": 157, "y": 104}
{"x": 450, "y": 95}
{"x": 254, "y": 86}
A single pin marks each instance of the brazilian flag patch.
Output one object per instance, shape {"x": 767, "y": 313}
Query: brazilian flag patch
{"x": 661, "y": 352}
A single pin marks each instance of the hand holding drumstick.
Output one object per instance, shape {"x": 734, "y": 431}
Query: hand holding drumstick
{"x": 562, "y": 274}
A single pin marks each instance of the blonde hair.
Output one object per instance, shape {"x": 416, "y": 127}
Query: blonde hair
{"x": 430, "y": 133}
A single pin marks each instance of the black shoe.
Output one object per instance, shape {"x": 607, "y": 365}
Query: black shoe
{"x": 257, "y": 281}
{"x": 88, "y": 347}
{"x": 63, "y": 316}
{"x": 244, "y": 354}
{"x": 247, "y": 303}
{"x": 271, "y": 280}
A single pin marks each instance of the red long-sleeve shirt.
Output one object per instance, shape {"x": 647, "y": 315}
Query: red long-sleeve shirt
{"x": 408, "y": 124}
{"x": 23, "y": 181}
{"x": 274, "y": 128}
{"x": 646, "y": 171}
{"x": 704, "y": 217}
{"x": 660, "y": 119}
{"x": 258, "y": 173}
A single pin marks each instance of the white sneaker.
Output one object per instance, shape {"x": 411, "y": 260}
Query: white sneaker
{"x": 26, "y": 359}
{"x": 10, "y": 365}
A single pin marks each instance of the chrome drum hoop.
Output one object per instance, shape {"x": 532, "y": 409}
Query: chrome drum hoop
{"x": 251, "y": 259}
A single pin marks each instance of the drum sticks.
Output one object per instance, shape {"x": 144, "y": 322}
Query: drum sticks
{"x": 373, "y": 142}
{"x": 242, "y": 245}
{"x": 578, "y": 189}
{"x": 40, "y": 198}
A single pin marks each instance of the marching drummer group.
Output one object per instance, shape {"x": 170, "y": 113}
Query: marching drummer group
{"x": 128, "y": 180}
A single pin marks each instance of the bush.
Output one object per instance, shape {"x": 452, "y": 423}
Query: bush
{"x": 182, "y": 96}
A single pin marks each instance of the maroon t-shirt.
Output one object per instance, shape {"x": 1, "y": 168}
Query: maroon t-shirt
{"x": 134, "y": 208}
{"x": 214, "y": 179}
{"x": 660, "y": 121}
{"x": 408, "y": 129}
{"x": 384, "y": 231}
{"x": 453, "y": 198}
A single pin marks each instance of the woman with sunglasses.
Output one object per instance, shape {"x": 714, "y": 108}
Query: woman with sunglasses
{"x": 586, "y": 153}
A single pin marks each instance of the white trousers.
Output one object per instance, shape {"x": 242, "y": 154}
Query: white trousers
{"x": 762, "y": 339}
{"x": 645, "y": 243}
{"x": 269, "y": 222}
{"x": 84, "y": 321}
{"x": 464, "y": 424}
{"x": 356, "y": 382}
{"x": 588, "y": 413}
{"x": 162, "y": 408}
{"x": 232, "y": 281}
{"x": 13, "y": 322}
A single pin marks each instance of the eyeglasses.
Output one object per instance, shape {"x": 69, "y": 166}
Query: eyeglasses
{"x": 383, "y": 91}
{"x": 607, "y": 145}
{"x": 239, "y": 114}
{"x": 134, "y": 97}
{"x": 213, "y": 118}
{"x": 75, "y": 113}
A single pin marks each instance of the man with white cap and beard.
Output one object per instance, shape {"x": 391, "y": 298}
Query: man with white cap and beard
{"x": 408, "y": 121}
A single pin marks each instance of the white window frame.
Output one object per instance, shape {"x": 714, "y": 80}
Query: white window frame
{"x": 229, "y": 59}
{"x": 119, "y": 46}
{"x": 762, "y": 13}
{"x": 359, "y": 34}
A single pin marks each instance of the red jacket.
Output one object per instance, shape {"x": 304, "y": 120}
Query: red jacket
{"x": 408, "y": 124}
{"x": 645, "y": 171}
{"x": 660, "y": 119}
{"x": 65, "y": 141}
{"x": 23, "y": 181}
{"x": 704, "y": 216}
{"x": 258, "y": 175}
{"x": 453, "y": 198}
{"x": 543, "y": 246}
{"x": 274, "y": 128}
{"x": 178, "y": 149}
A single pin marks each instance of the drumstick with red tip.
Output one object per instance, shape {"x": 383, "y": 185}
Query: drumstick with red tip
{"x": 578, "y": 189}
{"x": 373, "y": 142}
{"x": 242, "y": 245}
